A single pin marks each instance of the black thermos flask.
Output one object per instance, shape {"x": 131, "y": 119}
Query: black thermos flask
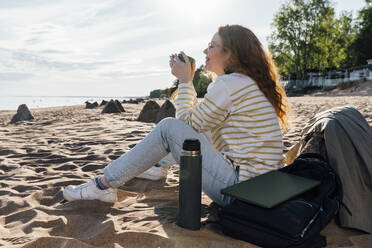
{"x": 190, "y": 176}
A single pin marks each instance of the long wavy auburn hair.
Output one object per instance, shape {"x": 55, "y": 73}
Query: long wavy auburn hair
{"x": 248, "y": 57}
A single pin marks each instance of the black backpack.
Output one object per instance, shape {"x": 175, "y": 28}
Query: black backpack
{"x": 295, "y": 223}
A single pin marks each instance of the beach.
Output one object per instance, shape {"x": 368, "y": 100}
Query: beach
{"x": 70, "y": 145}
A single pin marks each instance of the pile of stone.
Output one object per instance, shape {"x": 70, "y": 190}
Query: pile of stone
{"x": 119, "y": 106}
{"x": 103, "y": 103}
{"x": 149, "y": 112}
{"x": 166, "y": 110}
{"x": 89, "y": 105}
{"x": 112, "y": 107}
{"x": 153, "y": 113}
{"x": 23, "y": 114}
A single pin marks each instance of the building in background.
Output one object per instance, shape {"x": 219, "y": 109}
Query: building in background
{"x": 327, "y": 79}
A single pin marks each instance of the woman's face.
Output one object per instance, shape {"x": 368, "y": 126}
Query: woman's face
{"x": 216, "y": 57}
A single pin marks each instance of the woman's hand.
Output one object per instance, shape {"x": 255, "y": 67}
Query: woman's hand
{"x": 183, "y": 71}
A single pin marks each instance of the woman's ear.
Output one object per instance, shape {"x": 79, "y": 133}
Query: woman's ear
{"x": 227, "y": 55}
{"x": 227, "y": 59}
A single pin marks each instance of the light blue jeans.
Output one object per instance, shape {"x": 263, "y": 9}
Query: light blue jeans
{"x": 168, "y": 136}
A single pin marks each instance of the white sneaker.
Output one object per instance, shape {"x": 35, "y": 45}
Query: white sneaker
{"x": 89, "y": 191}
{"x": 154, "y": 173}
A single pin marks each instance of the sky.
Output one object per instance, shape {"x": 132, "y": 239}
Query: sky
{"x": 115, "y": 47}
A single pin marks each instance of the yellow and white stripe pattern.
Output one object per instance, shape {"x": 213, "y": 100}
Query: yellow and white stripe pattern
{"x": 240, "y": 121}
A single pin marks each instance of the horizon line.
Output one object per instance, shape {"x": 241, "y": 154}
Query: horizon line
{"x": 73, "y": 96}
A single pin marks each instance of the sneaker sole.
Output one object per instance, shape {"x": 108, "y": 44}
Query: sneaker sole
{"x": 65, "y": 195}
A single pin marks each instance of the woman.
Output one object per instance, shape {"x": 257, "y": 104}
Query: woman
{"x": 237, "y": 123}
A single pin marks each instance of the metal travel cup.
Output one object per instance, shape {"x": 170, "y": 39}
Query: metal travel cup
{"x": 190, "y": 176}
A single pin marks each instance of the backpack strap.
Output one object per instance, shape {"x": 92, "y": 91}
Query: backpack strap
{"x": 346, "y": 208}
{"x": 312, "y": 155}
{"x": 338, "y": 180}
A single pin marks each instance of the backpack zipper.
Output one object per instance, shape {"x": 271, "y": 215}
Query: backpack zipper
{"x": 311, "y": 222}
{"x": 320, "y": 210}
{"x": 305, "y": 202}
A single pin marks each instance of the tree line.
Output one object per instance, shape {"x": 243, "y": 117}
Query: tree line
{"x": 308, "y": 36}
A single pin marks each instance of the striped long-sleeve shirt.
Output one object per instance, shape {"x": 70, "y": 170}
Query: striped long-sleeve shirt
{"x": 238, "y": 119}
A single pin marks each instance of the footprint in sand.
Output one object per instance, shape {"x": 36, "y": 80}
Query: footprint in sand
{"x": 46, "y": 123}
{"x": 17, "y": 240}
{"x": 54, "y": 224}
{"x": 79, "y": 149}
{"x": 22, "y": 216}
{"x": 7, "y": 168}
{"x": 69, "y": 182}
{"x": 42, "y": 142}
{"x": 108, "y": 151}
{"x": 49, "y": 196}
{"x": 57, "y": 159}
{"x": 71, "y": 176}
{"x": 38, "y": 170}
{"x": 133, "y": 139}
{"x": 5, "y": 152}
{"x": 119, "y": 151}
{"x": 92, "y": 167}
{"x": 83, "y": 149}
{"x": 113, "y": 157}
{"x": 132, "y": 145}
{"x": 92, "y": 157}
{"x": 10, "y": 206}
{"x": 5, "y": 192}
{"x": 66, "y": 167}
{"x": 24, "y": 188}
{"x": 31, "y": 155}
{"x": 44, "y": 151}
{"x": 137, "y": 132}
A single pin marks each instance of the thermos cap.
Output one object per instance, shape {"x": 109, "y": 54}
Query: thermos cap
{"x": 191, "y": 145}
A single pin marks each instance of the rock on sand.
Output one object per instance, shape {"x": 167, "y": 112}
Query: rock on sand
{"x": 23, "y": 114}
{"x": 119, "y": 106}
{"x": 111, "y": 107}
{"x": 166, "y": 110}
{"x": 103, "y": 103}
{"x": 149, "y": 112}
{"x": 89, "y": 105}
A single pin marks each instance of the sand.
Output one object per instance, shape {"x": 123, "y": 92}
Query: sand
{"x": 70, "y": 145}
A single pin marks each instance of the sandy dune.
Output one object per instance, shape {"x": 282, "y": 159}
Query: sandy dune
{"x": 70, "y": 145}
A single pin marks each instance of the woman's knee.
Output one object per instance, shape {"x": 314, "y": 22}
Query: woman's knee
{"x": 170, "y": 123}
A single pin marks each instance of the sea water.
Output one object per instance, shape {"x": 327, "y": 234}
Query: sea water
{"x": 12, "y": 102}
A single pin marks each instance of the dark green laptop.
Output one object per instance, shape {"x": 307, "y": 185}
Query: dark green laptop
{"x": 270, "y": 189}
